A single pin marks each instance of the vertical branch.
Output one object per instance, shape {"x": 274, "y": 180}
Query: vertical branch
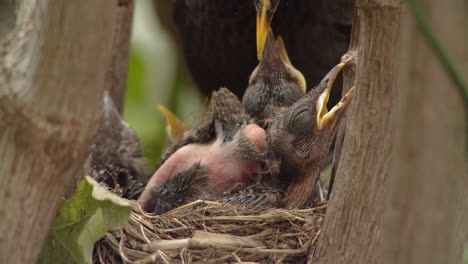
{"x": 427, "y": 221}
{"x": 352, "y": 230}
{"x": 54, "y": 64}
{"x": 349, "y": 79}
{"x": 116, "y": 79}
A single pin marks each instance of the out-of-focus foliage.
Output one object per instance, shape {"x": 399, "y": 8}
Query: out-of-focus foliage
{"x": 139, "y": 112}
{"x": 155, "y": 77}
{"x": 465, "y": 257}
{"x": 83, "y": 219}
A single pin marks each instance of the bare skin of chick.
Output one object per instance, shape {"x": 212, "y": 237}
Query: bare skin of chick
{"x": 229, "y": 151}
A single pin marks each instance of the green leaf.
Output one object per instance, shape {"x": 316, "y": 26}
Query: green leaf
{"x": 83, "y": 220}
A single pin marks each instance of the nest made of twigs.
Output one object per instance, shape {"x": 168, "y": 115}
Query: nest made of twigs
{"x": 212, "y": 232}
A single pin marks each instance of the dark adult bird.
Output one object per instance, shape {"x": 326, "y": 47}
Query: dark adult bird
{"x": 218, "y": 38}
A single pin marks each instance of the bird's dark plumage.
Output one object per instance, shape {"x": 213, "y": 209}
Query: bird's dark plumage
{"x": 254, "y": 195}
{"x": 218, "y": 38}
{"x": 184, "y": 187}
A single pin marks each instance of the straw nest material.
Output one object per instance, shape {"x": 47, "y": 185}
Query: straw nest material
{"x": 212, "y": 232}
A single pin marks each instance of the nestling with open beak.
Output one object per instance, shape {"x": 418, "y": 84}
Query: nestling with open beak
{"x": 264, "y": 9}
{"x": 225, "y": 150}
{"x": 274, "y": 83}
{"x": 299, "y": 139}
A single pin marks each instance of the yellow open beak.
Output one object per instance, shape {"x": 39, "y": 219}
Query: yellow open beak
{"x": 175, "y": 127}
{"x": 263, "y": 24}
{"x": 325, "y": 117}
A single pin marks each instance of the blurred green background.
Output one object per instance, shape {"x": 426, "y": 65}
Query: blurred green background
{"x": 156, "y": 76}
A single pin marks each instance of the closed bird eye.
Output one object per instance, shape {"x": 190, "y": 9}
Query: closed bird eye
{"x": 302, "y": 122}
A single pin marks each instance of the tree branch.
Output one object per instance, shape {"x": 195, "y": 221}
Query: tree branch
{"x": 53, "y": 66}
{"x": 439, "y": 49}
{"x": 428, "y": 200}
{"x": 352, "y": 231}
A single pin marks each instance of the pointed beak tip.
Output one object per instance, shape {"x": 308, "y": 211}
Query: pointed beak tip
{"x": 324, "y": 117}
{"x": 262, "y": 35}
{"x": 259, "y": 54}
{"x": 162, "y": 109}
{"x": 175, "y": 127}
{"x": 263, "y": 22}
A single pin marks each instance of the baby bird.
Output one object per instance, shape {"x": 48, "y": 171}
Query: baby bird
{"x": 274, "y": 83}
{"x": 226, "y": 149}
{"x": 299, "y": 138}
{"x": 116, "y": 156}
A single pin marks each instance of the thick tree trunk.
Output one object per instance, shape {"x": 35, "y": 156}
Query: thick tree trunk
{"x": 352, "y": 230}
{"x": 116, "y": 79}
{"x": 403, "y": 204}
{"x": 56, "y": 59}
{"x": 426, "y": 221}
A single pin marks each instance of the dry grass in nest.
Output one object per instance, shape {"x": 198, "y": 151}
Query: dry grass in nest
{"x": 211, "y": 232}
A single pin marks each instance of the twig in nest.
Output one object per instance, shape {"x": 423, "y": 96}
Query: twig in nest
{"x": 202, "y": 239}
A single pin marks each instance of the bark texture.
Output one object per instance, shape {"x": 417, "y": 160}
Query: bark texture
{"x": 352, "y": 231}
{"x": 426, "y": 221}
{"x": 116, "y": 79}
{"x": 56, "y": 59}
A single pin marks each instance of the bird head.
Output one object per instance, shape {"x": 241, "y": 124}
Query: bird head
{"x": 274, "y": 83}
{"x": 301, "y": 135}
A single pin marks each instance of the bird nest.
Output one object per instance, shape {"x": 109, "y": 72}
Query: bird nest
{"x": 212, "y": 232}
